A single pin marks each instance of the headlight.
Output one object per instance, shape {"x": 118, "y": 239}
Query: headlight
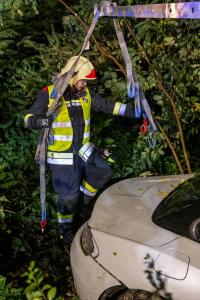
{"x": 88, "y": 243}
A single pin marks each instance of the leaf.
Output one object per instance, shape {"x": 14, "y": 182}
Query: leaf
{"x": 51, "y": 293}
{"x": 31, "y": 265}
{"x": 169, "y": 40}
{"x": 40, "y": 279}
{"x": 37, "y": 295}
{"x": 2, "y": 282}
{"x": 2, "y": 214}
{"x": 30, "y": 288}
{"x": 46, "y": 287}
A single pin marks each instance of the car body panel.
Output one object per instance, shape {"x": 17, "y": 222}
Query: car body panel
{"x": 90, "y": 279}
{"x": 124, "y": 234}
{"x": 125, "y": 209}
{"x": 168, "y": 259}
{"x": 127, "y": 260}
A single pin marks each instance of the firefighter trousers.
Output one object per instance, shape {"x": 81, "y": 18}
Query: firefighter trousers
{"x": 83, "y": 177}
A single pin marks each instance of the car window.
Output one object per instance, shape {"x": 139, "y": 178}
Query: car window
{"x": 179, "y": 212}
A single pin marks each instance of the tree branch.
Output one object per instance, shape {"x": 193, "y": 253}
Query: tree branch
{"x": 170, "y": 98}
{"x": 103, "y": 52}
{"x": 171, "y": 147}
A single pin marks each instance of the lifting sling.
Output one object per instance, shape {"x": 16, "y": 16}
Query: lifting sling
{"x": 184, "y": 10}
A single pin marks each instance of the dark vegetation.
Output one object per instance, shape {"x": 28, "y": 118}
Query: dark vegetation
{"x": 36, "y": 40}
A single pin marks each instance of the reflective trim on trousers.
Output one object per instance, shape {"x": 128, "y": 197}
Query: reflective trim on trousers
{"x": 86, "y": 192}
{"x": 64, "y": 218}
{"x": 88, "y": 187}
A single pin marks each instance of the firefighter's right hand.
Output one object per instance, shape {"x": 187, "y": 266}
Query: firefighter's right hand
{"x": 39, "y": 122}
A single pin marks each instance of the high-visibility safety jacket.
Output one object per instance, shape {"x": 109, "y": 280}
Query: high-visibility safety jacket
{"x": 71, "y": 127}
{"x": 62, "y": 126}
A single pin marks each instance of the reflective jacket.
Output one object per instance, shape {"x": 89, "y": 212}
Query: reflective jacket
{"x": 62, "y": 127}
{"x": 71, "y": 127}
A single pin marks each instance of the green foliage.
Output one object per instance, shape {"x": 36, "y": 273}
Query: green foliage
{"x": 36, "y": 288}
{"x": 8, "y": 292}
{"x": 18, "y": 7}
{"x": 36, "y": 40}
{"x": 3, "y": 202}
{"x": 7, "y": 179}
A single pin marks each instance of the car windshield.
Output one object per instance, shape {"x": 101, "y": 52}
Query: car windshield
{"x": 179, "y": 212}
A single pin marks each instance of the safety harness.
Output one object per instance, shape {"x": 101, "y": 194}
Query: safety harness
{"x": 185, "y": 10}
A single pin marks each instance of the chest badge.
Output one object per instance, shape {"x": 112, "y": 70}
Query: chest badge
{"x": 85, "y": 99}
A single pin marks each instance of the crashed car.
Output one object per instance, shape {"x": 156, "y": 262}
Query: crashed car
{"x": 134, "y": 218}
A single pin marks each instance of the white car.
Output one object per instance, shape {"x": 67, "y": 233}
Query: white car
{"x": 131, "y": 219}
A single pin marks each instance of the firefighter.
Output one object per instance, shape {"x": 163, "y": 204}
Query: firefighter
{"x": 78, "y": 169}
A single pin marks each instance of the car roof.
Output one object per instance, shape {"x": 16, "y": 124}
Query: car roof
{"x": 125, "y": 209}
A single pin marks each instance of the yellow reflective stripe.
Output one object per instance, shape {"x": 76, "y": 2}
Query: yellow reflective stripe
{"x": 60, "y": 215}
{"x": 27, "y": 116}
{"x": 86, "y": 140}
{"x": 59, "y": 146}
{"x": 89, "y": 187}
{"x": 26, "y": 119}
{"x": 86, "y": 105}
{"x": 64, "y": 218}
{"x": 87, "y": 128}
{"x": 63, "y": 131}
{"x": 116, "y": 108}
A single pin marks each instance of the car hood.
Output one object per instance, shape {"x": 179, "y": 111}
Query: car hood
{"x": 125, "y": 208}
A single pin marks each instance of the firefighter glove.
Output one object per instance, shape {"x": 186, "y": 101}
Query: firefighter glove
{"x": 39, "y": 122}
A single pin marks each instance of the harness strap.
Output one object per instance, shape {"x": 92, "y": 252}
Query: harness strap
{"x": 134, "y": 89}
{"x": 130, "y": 80}
{"x": 42, "y": 179}
{"x": 132, "y": 83}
